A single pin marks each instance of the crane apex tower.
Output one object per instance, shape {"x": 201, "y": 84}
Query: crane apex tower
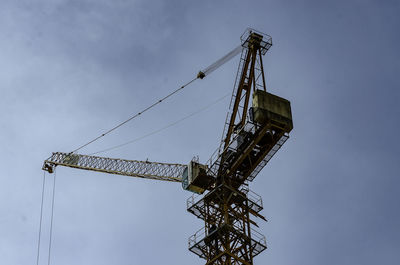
{"x": 252, "y": 135}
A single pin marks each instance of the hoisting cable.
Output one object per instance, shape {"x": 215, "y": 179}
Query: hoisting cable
{"x": 41, "y": 218}
{"x": 163, "y": 128}
{"x": 52, "y": 217}
{"x": 200, "y": 75}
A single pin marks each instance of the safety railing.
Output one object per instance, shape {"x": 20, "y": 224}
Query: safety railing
{"x": 259, "y": 241}
{"x": 196, "y": 237}
{"x": 252, "y": 196}
{"x": 192, "y": 200}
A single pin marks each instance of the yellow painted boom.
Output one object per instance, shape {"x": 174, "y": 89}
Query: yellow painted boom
{"x": 132, "y": 168}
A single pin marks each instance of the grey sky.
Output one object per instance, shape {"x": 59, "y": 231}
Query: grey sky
{"x": 71, "y": 69}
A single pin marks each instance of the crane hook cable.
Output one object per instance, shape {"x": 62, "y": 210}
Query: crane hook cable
{"x": 52, "y": 217}
{"x": 200, "y": 75}
{"x": 41, "y": 219}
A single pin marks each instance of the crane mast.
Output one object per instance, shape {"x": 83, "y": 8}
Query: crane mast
{"x": 252, "y": 135}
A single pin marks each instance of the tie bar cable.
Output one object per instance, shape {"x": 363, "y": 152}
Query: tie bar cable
{"x": 163, "y": 128}
{"x": 206, "y": 71}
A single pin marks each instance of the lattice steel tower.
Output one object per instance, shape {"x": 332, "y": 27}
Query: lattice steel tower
{"x": 251, "y": 138}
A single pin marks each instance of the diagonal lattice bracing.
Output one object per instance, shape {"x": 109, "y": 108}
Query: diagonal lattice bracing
{"x": 133, "y": 168}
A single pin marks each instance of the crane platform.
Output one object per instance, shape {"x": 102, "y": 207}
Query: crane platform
{"x": 205, "y": 245}
{"x": 196, "y": 204}
{"x": 229, "y": 234}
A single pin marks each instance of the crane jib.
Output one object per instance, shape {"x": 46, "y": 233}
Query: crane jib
{"x": 142, "y": 169}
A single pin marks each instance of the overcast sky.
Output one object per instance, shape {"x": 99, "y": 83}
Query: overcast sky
{"x": 71, "y": 69}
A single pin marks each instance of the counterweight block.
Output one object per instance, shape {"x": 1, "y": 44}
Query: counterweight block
{"x": 269, "y": 108}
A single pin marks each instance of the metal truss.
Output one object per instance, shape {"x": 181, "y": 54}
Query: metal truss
{"x": 248, "y": 152}
{"x": 250, "y": 69}
{"x": 132, "y": 168}
{"x": 227, "y": 237}
{"x": 246, "y": 147}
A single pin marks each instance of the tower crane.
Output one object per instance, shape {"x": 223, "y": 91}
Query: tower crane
{"x": 257, "y": 125}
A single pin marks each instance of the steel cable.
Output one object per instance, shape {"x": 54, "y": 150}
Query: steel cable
{"x": 200, "y": 75}
{"x": 163, "y": 128}
{"x": 52, "y": 217}
{"x": 222, "y": 61}
{"x": 136, "y": 115}
{"x": 41, "y": 218}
